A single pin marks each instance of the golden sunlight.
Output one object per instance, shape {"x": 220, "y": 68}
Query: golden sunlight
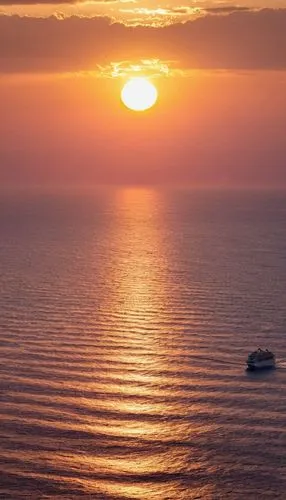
{"x": 138, "y": 94}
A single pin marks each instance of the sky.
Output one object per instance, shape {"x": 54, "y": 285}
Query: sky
{"x": 220, "y": 71}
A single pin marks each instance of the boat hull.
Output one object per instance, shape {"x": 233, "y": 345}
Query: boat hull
{"x": 260, "y": 365}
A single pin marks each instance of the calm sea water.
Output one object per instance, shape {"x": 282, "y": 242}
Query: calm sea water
{"x": 126, "y": 318}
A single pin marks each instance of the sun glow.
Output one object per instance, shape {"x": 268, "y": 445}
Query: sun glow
{"x": 138, "y": 94}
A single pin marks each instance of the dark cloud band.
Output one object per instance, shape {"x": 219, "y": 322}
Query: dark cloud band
{"x": 239, "y": 40}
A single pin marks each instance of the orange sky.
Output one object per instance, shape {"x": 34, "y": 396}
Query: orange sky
{"x": 221, "y": 114}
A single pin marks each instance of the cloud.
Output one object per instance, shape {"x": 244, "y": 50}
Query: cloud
{"x": 147, "y": 67}
{"x": 163, "y": 11}
{"x": 240, "y": 40}
{"x": 227, "y": 10}
{"x": 182, "y": 10}
{"x": 159, "y": 16}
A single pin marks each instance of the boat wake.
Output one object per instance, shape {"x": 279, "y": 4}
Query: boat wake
{"x": 281, "y": 364}
{"x": 221, "y": 361}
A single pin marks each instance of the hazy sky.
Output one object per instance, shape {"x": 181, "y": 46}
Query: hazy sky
{"x": 220, "y": 69}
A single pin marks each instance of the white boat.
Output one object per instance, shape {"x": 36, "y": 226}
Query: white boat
{"x": 260, "y": 359}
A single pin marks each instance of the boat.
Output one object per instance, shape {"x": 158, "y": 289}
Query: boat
{"x": 260, "y": 359}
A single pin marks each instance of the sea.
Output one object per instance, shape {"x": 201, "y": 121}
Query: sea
{"x": 126, "y": 316}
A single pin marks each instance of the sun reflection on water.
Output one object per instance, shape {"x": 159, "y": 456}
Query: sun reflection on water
{"x": 137, "y": 334}
{"x": 138, "y": 274}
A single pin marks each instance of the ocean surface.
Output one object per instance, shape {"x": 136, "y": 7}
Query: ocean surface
{"x": 125, "y": 320}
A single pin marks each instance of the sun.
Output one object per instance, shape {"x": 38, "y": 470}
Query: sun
{"x": 139, "y": 94}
